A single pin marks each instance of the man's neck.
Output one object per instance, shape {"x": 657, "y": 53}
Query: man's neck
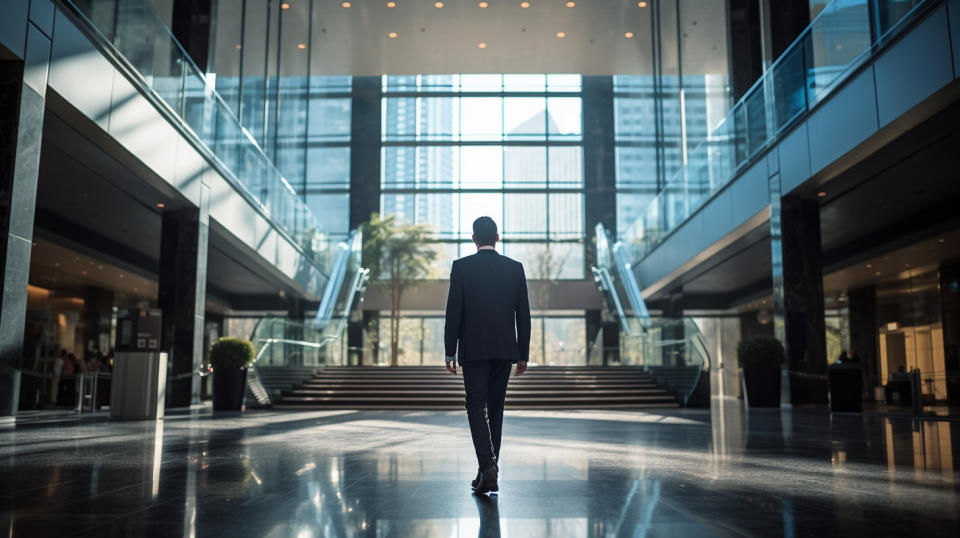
{"x": 486, "y": 247}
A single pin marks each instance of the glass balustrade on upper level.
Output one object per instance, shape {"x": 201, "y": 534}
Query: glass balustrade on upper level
{"x": 140, "y": 37}
{"x": 840, "y": 38}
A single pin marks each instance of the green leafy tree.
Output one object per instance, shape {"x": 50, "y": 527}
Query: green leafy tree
{"x": 398, "y": 256}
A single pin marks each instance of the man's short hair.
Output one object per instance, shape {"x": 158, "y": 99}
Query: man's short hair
{"x": 485, "y": 231}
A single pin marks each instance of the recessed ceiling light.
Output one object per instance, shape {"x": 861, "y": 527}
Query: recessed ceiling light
{"x": 481, "y": 45}
{"x": 821, "y": 194}
{"x": 84, "y": 273}
{"x": 571, "y": 4}
{"x": 941, "y": 240}
{"x": 346, "y": 4}
{"x": 561, "y": 35}
{"x": 391, "y": 4}
{"x": 628, "y": 35}
{"x": 301, "y": 46}
{"x": 284, "y": 6}
{"x": 482, "y": 5}
{"x": 121, "y": 275}
{"x": 161, "y": 205}
{"x": 877, "y": 273}
{"x": 438, "y": 5}
{"x": 99, "y": 267}
{"x": 869, "y": 266}
{"x": 136, "y": 289}
{"x": 642, "y": 4}
{"x": 392, "y": 35}
{"x": 524, "y": 5}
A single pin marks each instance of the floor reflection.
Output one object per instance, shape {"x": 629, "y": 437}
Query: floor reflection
{"x": 717, "y": 472}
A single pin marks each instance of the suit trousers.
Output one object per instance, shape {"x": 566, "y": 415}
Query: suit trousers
{"x": 485, "y": 382}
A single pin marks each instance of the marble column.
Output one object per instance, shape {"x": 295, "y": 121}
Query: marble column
{"x": 950, "y": 316}
{"x": 294, "y": 330}
{"x": 599, "y": 164}
{"x": 798, "y": 298}
{"x": 864, "y": 334}
{"x": 182, "y": 297}
{"x": 97, "y": 314}
{"x": 365, "y": 150}
{"x": 23, "y": 85}
{"x": 673, "y": 355}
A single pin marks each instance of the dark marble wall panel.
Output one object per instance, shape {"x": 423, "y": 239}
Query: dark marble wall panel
{"x": 803, "y": 314}
{"x": 181, "y": 295}
{"x": 22, "y": 191}
{"x": 365, "y": 150}
{"x": 22, "y": 90}
{"x": 902, "y": 81}
{"x": 599, "y": 165}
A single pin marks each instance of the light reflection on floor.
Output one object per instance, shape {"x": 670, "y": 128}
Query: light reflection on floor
{"x": 564, "y": 473}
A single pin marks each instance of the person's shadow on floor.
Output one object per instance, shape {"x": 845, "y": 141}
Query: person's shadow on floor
{"x": 489, "y": 516}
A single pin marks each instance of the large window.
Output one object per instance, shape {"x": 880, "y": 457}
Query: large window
{"x": 456, "y": 147}
{"x": 268, "y": 66}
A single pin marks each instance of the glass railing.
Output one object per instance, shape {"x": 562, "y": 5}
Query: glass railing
{"x": 838, "y": 40}
{"x": 285, "y": 342}
{"x": 673, "y": 351}
{"x": 140, "y": 37}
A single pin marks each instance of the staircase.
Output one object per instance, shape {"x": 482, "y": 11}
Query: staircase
{"x": 415, "y": 387}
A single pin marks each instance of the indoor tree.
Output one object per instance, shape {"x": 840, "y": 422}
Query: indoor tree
{"x": 398, "y": 256}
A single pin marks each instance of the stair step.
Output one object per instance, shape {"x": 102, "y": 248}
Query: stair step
{"x": 432, "y": 387}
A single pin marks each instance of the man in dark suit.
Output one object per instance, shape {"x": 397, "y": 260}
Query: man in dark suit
{"x": 488, "y": 314}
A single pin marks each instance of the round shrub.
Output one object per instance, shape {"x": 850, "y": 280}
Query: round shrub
{"x": 231, "y": 353}
{"x": 760, "y": 352}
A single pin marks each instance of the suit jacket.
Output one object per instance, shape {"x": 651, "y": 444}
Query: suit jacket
{"x": 488, "y": 313}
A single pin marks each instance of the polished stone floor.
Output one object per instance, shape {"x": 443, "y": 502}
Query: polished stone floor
{"x": 687, "y": 472}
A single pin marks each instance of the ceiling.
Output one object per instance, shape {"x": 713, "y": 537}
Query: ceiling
{"x": 56, "y": 267}
{"x": 356, "y": 40}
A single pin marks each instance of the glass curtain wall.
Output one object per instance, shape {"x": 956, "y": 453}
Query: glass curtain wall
{"x": 662, "y": 116}
{"x": 266, "y": 63}
{"x": 456, "y": 147}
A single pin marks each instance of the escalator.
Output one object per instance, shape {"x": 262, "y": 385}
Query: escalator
{"x": 288, "y": 352}
{"x": 671, "y": 350}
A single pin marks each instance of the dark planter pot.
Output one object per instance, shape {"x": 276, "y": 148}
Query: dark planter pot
{"x": 229, "y": 388}
{"x": 846, "y": 386}
{"x": 763, "y": 386}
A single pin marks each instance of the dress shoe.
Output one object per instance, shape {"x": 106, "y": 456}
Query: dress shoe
{"x": 488, "y": 481}
{"x": 473, "y": 485}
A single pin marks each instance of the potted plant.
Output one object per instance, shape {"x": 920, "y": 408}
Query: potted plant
{"x": 760, "y": 359}
{"x": 230, "y": 358}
